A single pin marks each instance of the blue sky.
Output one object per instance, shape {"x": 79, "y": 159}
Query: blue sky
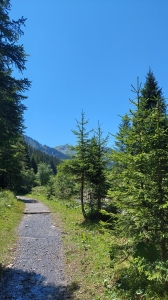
{"x": 85, "y": 54}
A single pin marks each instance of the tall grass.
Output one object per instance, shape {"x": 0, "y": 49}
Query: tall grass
{"x": 11, "y": 211}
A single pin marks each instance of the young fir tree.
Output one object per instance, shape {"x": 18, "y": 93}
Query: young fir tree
{"x": 80, "y": 159}
{"x": 97, "y": 169}
{"x": 141, "y": 192}
{"x": 124, "y": 127}
{"x": 120, "y": 147}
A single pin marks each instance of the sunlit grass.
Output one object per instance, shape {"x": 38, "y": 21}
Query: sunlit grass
{"x": 87, "y": 261}
{"x": 11, "y": 212}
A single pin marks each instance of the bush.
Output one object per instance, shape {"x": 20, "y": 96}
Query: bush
{"x": 27, "y": 181}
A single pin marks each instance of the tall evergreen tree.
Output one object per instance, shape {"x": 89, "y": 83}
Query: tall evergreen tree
{"x": 152, "y": 92}
{"x": 141, "y": 192}
{"x": 120, "y": 144}
{"x": 11, "y": 89}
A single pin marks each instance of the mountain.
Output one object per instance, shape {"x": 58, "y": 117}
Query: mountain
{"x": 44, "y": 148}
{"x": 65, "y": 149}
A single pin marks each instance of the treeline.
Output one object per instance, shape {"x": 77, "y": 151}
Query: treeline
{"x": 36, "y": 156}
{"x": 19, "y": 163}
{"x": 24, "y": 166}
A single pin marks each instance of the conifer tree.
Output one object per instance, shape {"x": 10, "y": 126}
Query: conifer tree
{"x": 141, "y": 192}
{"x": 124, "y": 127}
{"x": 80, "y": 159}
{"x": 152, "y": 92}
{"x": 97, "y": 164}
{"x": 11, "y": 89}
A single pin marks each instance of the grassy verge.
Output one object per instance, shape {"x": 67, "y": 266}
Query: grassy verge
{"x": 86, "y": 247}
{"x": 11, "y": 212}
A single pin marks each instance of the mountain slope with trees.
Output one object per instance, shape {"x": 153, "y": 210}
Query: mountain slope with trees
{"x": 48, "y": 150}
{"x": 35, "y": 156}
{"x": 65, "y": 149}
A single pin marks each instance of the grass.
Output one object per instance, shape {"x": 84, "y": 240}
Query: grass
{"x": 11, "y": 212}
{"x": 86, "y": 247}
{"x": 87, "y": 261}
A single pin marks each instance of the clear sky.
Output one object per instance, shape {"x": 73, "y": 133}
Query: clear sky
{"x": 85, "y": 54}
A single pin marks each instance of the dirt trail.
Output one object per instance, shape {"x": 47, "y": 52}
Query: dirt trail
{"x": 37, "y": 272}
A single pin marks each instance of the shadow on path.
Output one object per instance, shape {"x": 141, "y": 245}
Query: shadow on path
{"x": 37, "y": 272}
{"x": 17, "y": 284}
{"x": 27, "y": 200}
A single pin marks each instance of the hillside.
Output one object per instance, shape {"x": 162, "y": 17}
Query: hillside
{"x": 51, "y": 151}
{"x": 65, "y": 149}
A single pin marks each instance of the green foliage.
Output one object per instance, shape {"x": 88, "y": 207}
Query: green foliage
{"x": 63, "y": 185}
{"x": 151, "y": 91}
{"x": 28, "y": 180}
{"x": 139, "y": 192}
{"x": 80, "y": 164}
{"x": 6, "y": 199}
{"x": 89, "y": 167}
{"x": 43, "y": 174}
{"x": 39, "y": 191}
{"x": 37, "y": 156}
{"x": 11, "y": 95}
{"x": 96, "y": 173}
{"x": 13, "y": 163}
{"x": 11, "y": 212}
{"x": 120, "y": 142}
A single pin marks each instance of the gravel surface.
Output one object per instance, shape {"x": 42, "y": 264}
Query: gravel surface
{"x": 37, "y": 272}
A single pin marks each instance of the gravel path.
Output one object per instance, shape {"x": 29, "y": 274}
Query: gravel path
{"x": 37, "y": 271}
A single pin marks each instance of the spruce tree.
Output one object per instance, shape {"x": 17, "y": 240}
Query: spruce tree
{"x": 80, "y": 159}
{"x": 96, "y": 173}
{"x": 140, "y": 191}
{"x": 11, "y": 89}
{"x": 152, "y": 92}
{"x": 124, "y": 127}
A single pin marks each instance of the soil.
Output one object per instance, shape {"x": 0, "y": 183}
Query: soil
{"x": 37, "y": 272}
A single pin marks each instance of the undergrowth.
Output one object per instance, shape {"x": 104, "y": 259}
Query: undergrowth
{"x": 87, "y": 247}
{"x": 11, "y": 212}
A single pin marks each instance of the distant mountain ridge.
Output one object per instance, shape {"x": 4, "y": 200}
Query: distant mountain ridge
{"x": 51, "y": 151}
{"x": 65, "y": 149}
